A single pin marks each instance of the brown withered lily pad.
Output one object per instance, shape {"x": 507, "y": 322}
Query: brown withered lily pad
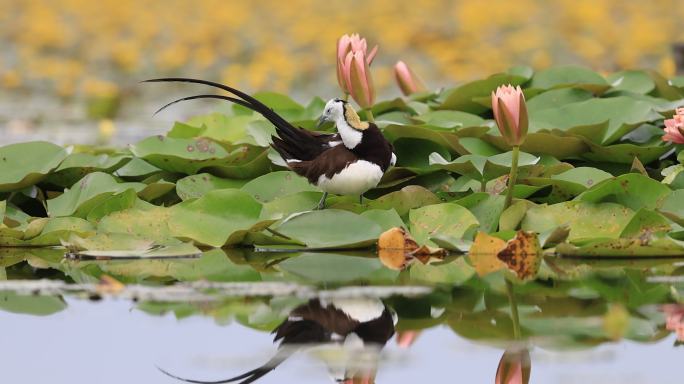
{"x": 397, "y": 249}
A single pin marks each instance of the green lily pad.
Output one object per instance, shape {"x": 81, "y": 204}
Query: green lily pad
{"x": 220, "y": 217}
{"x": 461, "y": 98}
{"x": 179, "y": 155}
{"x": 486, "y": 208}
{"x": 483, "y": 167}
{"x": 450, "y": 119}
{"x": 564, "y": 76}
{"x": 557, "y": 98}
{"x": 445, "y": 219}
{"x": 407, "y": 198}
{"x": 321, "y": 229}
{"x": 18, "y": 171}
{"x": 149, "y": 222}
{"x": 586, "y": 221}
{"x": 196, "y": 186}
{"x": 87, "y": 193}
{"x": 623, "y": 114}
{"x": 385, "y": 218}
{"x": 624, "y": 247}
{"x": 632, "y": 81}
{"x": 632, "y": 190}
{"x": 77, "y": 165}
{"x": 277, "y": 184}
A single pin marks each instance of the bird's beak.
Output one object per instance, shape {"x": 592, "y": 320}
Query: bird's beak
{"x": 321, "y": 121}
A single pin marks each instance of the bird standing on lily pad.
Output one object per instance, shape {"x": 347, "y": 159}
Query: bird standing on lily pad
{"x": 349, "y": 162}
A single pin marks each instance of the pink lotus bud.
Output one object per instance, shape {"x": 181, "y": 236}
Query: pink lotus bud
{"x": 674, "y": 128}
{"x": 514, "y": 367}
{"x": 358, "y": 79}
{"x": 346, "y": 44}
{"x": 406, "y": 79}
{"x": 510, "y": 113}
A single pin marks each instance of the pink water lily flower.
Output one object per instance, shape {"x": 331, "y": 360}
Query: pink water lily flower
{"x": 358, "y": 79}
{"x": 510, "y": 113}
{"x": 345, "y": 45}
{"x": 674, "y": 128}
{"x": 406, "y": 79}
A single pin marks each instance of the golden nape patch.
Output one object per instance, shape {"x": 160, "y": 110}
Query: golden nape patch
{"x": 353, "y": 118}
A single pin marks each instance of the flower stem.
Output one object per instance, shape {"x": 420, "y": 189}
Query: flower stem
{"x": 514, "y": 309}
{"x": 512, "y": 176}
{"x": 483, "y": 185}
{"x": 369, "y": 116}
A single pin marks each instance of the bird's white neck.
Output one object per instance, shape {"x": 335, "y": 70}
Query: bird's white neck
{"x": 350, "y": 136}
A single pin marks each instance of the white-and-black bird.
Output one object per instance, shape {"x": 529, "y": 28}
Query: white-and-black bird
{"x": 349, "y": 162}
{"x": 362, "y": 326}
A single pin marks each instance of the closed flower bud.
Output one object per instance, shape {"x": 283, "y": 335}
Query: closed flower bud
{"x": 346, "y": 44}
{"x": 510, "y": 113}
{"x": 407, "y": 80}
{"x": 358, "y": 79}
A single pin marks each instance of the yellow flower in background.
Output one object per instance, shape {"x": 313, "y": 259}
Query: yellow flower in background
{"x": 288, "y": 46}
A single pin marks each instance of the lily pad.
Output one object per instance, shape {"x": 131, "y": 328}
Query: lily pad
{"x": 87, "y": 193}
{"x": 321, "y": 229}
{"x": 220, "y": 217}
{"x": 632, "y": 190}
{"x": 277, "y": 184}
{"x": 18, "y": 171}
{"x": 445, "y": 219}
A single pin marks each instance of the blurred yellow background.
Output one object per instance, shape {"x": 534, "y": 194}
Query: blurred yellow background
{"x": 81, "y": 47}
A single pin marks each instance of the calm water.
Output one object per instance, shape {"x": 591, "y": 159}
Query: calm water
{"x": 71, "y": 335}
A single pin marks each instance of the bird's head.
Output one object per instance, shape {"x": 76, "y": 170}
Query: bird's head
{"x": 333, "y": 111}
{"x": 337, "y": 110}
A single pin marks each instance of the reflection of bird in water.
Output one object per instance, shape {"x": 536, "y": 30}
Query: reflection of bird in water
{"x": 359, "y": 328}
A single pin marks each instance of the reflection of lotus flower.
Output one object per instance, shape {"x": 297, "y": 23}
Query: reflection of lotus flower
{"x": 514, "y": 367}
{"x": 358, "y": 79}
{"x": 510, "y": 113}
{"x": 674, "y": 128}
{"x": 674, "y": 319}
{"x": 345, "y": 45}
{"x": 405, "y": 339}
{"x": 406, "y": 79}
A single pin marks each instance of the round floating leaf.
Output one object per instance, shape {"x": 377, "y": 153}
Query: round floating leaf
{"x": 402, "y": 201}
{"x": 331, "y": 228}
{"x": 632, "y": 81}
{"x": 445, "y": 219}
{"x": 563, "y": 76}
{"x": 136, "y": 169}
{"x": 625, "y": 153}
{"x": 462, "y": 97}
{"x": 18, "y": 170}
{"x": 196, "y": 186}
{"x": 587, "y": 221}
{"x": 178, "y": 155}
{"x": 277, "y": 184}
{"x": 87, "y": 193}
{"x": 450, "y": 119}
{"x": 632, "y": 190}
{"x": 386, "y": 219}
{"x": 622, "y": 113}
{"x": 486, "y": 208}
{"x": 147, "y": 222}
{"x": 77, "y": 165}
{"x": 672, "y": 206}
{"x": 556, "y": 98}
{"x": 117, "y": 202}
{"x": 218, "y": 218}
{"x": 413, "y": 153}
{"x": 286, "y": 205}
{"x": 630, "y": 247}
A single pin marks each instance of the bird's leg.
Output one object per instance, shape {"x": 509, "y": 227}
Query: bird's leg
{"x": 321, "y": 204}
{"x": 361, "y": 199}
